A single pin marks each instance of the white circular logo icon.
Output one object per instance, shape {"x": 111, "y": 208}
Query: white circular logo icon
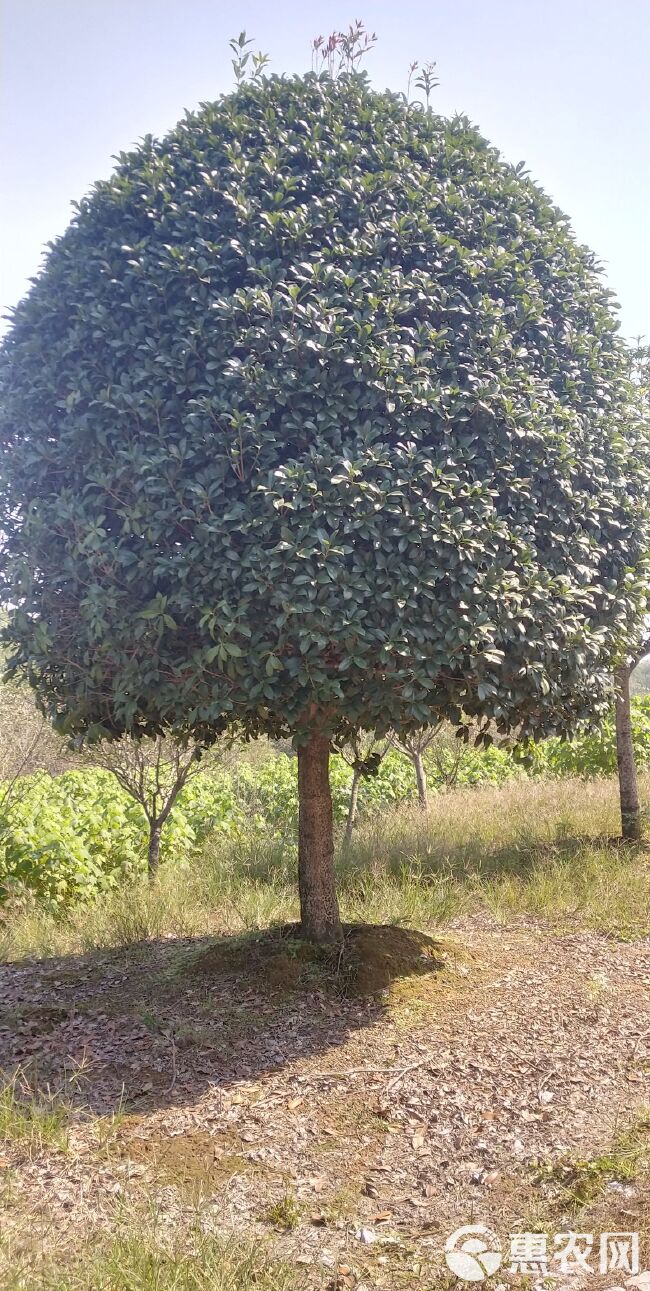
{"x": 473, "y": 1252}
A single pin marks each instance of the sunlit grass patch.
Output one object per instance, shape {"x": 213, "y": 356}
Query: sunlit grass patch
{"x": 141, "y": 1259}
{"x": 535, "y": 848}
{"x": 604, "y": 888}
{"x": 572, "y": 1183}
{"x": 32, "y": 1118}
{"x": 285, "y": 1213}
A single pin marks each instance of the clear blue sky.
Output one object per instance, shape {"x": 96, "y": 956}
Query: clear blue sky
{"x": 561, "y": 84}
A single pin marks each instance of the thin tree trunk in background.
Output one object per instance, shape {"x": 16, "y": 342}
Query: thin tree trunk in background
{"x": 420, "y": 776}
{"x": 319, "y": 909}
{"x": 153, "y": 854}
{"x": 627, "y": 780}
{"x": 352, "y": 807}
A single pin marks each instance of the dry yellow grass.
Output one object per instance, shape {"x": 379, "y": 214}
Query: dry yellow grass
{"x": 543, "y": 849}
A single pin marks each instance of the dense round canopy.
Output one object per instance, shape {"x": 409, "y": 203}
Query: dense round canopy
{"x": 316, "y": 407}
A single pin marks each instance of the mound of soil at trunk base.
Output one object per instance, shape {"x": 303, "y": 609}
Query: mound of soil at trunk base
{"x": 369, "y": 959}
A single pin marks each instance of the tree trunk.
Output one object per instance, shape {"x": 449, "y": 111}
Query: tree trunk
{"x": 421, "y": 777}
{"x": 319, "y": 910}
{"x": 352, "y": 807}
{"x": 153, "y": 854}
{"x": 627, "y": 781}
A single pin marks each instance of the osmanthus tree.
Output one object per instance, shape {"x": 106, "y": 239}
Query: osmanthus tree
{"x": 315, "y": 421}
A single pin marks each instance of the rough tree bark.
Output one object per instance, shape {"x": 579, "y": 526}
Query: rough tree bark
{"x": 627, "y": 779}
{"x": 352, "y": 807}
{"x": 319, "y": 909}
{"x": 153, "y": 852}
{"x": 421, "y": 778}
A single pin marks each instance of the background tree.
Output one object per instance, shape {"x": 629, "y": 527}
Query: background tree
{"x": 153, "y": 772}
{"x": 414, "y": 745}
{"x": 27, "y": 744}
{"x": 628, "y": 786}
{"x": 639, "y": 362}
{"x": 315, "y": 421}
{"x": 364, "y": 753}
{"x": 27, "y": 741}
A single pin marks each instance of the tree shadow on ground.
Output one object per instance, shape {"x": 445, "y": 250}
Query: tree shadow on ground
{"x": 156, "y": 1024}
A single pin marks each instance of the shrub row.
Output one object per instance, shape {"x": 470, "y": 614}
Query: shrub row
{"x": 69, "y": 837}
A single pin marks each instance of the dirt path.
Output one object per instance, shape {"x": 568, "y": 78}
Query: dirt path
{"x": 355, "y": 1133}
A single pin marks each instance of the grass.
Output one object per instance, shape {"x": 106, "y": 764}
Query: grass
{"x": 285, "y": 1213}
{"x": 33, "y": 1119}
{"x": 571, "y": 1184}
{"x": 142, "y": 1260}
{"x": 541, "y": 849}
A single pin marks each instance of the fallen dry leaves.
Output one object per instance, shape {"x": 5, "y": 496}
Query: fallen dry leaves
{"x": 389, "y": 1122}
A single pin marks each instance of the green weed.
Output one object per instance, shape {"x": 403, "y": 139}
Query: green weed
{"x": 284, "y": 1213}
{"x": 143, "y": 1261}
{"x": 35, "y": 1120}
{"x": 573, "y": 1183}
